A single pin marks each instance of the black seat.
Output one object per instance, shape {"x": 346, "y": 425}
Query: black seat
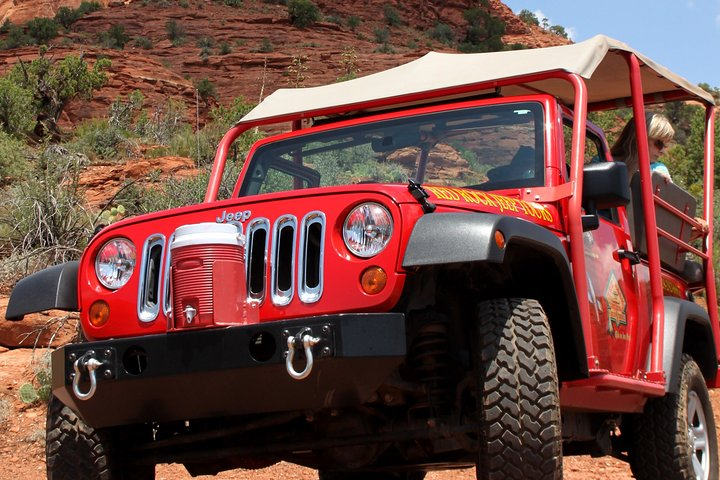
{"x": 672, "y": 256}
{"x": 521, "y": 166}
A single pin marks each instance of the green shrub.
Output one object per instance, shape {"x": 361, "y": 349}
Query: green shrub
{"x": 353, "y": 22}
{"x": 41, "y": 387}
{"x": 443, "y": 33}
{"x": 484, "y": 32}
{"x": 17, "y": 112}
{"x": 121, "y": 112}
{"x": 303, "y": 13}
{"x": 392, "y": 16}
{"x": 175, "y": 32}
{"x": 115, "y": 37}
{"x": 234, "y": 3}
{"x": 382, "y": 35}
{"x": 97, "y": 139}
{"x": 266, "y": 46}
{"x": 164, "y": 122}
{"x": 14, "y": 159}
{"x": 142, "y": 42}
{"x": 42, "y": 30}
{"x": 205, "y": 89}
{"x": 224, "y": 48}
{"x": 66, "y": 16}
{"x": 226, "y": 117}
{"x": 16, "y": 38}
{"x": 43, "y": 219}
{"x": 205, "y": 42}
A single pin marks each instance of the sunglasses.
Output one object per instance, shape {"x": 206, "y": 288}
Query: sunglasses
{"x": 660, "y": 145}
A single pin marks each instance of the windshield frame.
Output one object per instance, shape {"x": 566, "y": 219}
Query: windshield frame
{"x": 542, "y": 138}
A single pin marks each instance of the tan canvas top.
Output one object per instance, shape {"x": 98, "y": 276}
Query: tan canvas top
{"x": 597, "y": 60}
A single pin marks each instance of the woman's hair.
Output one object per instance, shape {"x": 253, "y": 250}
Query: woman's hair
{"x": 625, "y": 148}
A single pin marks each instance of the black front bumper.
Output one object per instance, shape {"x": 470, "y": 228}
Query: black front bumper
{"x": 231, "y": 371}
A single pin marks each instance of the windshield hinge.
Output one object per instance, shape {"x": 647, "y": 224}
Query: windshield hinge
{"x": 421, "y": 195}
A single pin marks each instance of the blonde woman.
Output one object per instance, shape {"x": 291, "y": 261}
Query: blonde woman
{"x": 660, "y": 133}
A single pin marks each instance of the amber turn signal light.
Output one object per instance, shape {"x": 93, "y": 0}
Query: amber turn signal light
{"x": 373, "y": 280}
{"x": 499, "y": 239}
{"x": 99, "y": 313}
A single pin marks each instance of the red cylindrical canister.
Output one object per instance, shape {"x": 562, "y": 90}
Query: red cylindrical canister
{"x": 208, "y": 276}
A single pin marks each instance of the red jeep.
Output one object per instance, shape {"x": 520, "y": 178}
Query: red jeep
{"x": 439, "y": 266}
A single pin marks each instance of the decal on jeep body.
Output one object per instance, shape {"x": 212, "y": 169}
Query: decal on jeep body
{"x": 501, "y": 202}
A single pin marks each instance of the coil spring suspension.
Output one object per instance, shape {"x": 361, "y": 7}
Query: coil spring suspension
{"x": 430, "y": 358}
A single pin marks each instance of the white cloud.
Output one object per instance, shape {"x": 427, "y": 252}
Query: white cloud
{"x": 717, "y": 21}
{"x": 572, "y": 33}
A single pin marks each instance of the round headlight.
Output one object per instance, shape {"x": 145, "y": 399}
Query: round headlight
{"x": 115, "y": 263}
{"x": 367, "y": 229}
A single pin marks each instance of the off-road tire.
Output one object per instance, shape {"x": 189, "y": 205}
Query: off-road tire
{"x": 517, "y": 392}
{"x": 76, "y": 451}
{"x": 660, "y": 438}
{"x": 339, "y": 475}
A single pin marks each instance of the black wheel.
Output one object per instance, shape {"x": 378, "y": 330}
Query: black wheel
{"x": 674, "y": 437}
{"x": 517, "y": 392}
{"x": 339, "y": 475}
{"x": 76, "y": 451}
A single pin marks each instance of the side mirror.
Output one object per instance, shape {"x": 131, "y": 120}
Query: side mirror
{"x": 605, "y": 185}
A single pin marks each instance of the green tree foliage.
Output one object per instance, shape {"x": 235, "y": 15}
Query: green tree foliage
{"x": 205, "y": 89}
{"x": 303, "y": 13}
{"x": 16, "y": 108}
{"x": 53, "y": 83}
{"x": 42, "y": 30}
{"x": 529, "y": 17}
{"x": 66, "y": 16}
{"x": 558, "y": 30}
{"x": 484, "y": 32}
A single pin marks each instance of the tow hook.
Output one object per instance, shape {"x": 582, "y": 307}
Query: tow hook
{"x": 88, "y": 363}
{"x": 304, "y": 338}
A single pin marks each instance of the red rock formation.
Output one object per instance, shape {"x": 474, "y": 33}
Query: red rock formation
{"x": 166, "y": 71}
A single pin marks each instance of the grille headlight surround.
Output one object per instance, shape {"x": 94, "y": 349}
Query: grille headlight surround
{"x": 367, "y": 229}
{"x": 115, "y": 263}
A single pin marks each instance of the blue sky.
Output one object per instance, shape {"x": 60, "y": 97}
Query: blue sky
{"x": 682, "y": 35}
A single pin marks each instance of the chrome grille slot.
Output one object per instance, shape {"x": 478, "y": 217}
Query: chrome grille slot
{"x": 256, "y": 258}
{"x": 312, "y": 247}
{"x": 149, "y": 288}
{"x": 283, "y": 259}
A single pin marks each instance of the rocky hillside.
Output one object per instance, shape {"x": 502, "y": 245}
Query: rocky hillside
{"x": 248, "y": 50}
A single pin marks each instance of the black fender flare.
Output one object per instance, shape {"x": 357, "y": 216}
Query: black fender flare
{"x": 52, "y": 288}
{"x": 447, "y": 238}
{"x": 444, "y": 238}
{"x": 681, "y": 316}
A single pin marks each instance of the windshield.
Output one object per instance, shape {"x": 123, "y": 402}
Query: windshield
{"x": 487, "y": 148}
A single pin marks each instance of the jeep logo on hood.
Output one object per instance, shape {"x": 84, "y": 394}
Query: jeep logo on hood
{"x": 239, "y": 216}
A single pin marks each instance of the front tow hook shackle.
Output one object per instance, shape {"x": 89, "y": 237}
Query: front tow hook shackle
{"x": 308, "y": 341}
{"x": 91, "y": 364}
